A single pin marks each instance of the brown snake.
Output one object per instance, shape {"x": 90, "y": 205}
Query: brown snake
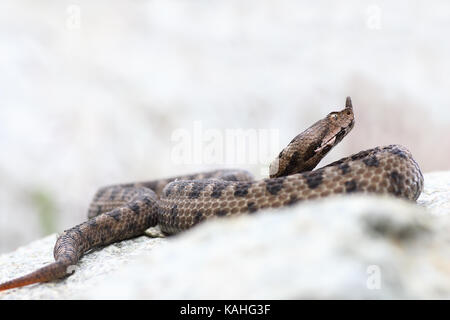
{"x": 124, "y": 211}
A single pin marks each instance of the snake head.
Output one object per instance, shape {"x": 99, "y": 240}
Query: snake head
{"x": 344, "y": 118}
{"x": 306, "y": 150}
{"x": 337, "y": 124}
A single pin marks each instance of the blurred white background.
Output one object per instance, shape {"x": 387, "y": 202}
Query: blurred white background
{"x": 91, "y": 92}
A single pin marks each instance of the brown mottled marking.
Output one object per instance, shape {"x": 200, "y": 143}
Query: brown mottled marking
{"x": 350, "y": 186}
{"x": 125, "y": 211}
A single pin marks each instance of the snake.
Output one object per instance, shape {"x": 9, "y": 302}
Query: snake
{"x": 124, "y": 211}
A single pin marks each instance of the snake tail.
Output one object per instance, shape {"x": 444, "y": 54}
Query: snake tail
{"x": 127, "y": 221}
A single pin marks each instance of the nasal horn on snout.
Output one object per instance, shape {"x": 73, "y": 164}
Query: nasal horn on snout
{"x": 348, "y": 103}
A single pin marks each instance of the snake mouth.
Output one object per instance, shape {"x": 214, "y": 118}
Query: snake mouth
{"x": 341, "y": 134}
{"x": 335, "y": 139}
{"x": 328, "y": 144}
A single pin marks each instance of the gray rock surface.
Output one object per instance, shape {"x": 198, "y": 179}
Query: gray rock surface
{"x": 341, "y": 247}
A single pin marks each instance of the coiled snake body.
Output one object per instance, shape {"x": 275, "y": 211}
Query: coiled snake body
{"x": 124, "y": 211}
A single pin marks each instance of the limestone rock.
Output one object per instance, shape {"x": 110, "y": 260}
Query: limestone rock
{"x": 340, "y": 247}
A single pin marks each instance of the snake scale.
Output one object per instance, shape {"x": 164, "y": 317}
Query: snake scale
{"x": 124, "y": 211}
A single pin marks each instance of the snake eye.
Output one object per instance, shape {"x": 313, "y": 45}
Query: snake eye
{"x": 334, "y": 116}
